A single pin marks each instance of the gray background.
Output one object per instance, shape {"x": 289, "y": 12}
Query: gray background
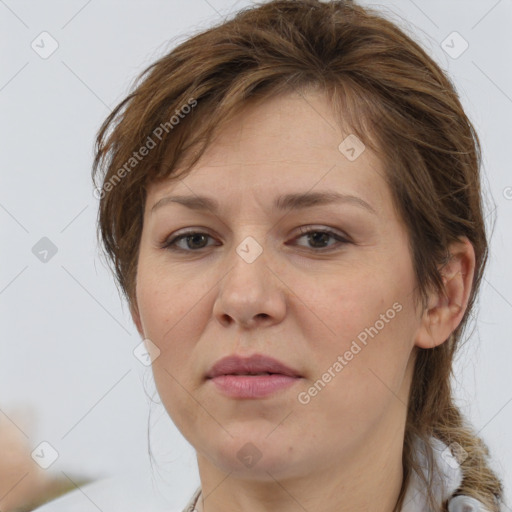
{"x": 67, "y": 372}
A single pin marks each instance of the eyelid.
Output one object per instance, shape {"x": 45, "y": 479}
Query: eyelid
{"x": 342, "y": 238}
{"x": 304, "y": 230}
{"x": 168, "y": 240}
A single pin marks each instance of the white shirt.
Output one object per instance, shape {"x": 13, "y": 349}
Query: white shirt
{"x": 131, "y": 493}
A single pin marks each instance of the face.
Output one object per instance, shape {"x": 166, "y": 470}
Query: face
{"x": 323, "y": 286}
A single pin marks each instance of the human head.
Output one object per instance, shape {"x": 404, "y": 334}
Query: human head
{"x": 383, "y": 88}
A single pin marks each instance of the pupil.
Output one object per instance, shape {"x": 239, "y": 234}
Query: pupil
{"x": 319, "y": 235}
{"x": 194, "y": 237}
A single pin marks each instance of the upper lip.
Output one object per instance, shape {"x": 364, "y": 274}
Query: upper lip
{"x": 257, "y": 363}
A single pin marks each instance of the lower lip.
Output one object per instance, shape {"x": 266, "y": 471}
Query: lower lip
{"x": 252, "y": 386}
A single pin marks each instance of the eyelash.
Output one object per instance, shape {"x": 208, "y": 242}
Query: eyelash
{"x": 171, "y": 244}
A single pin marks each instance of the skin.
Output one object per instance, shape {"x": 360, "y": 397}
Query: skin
{"x": 303, "y": 301}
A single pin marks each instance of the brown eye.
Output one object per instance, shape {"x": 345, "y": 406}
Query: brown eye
{"x": 318, "y": 238}
{"x": 193, "y": 241}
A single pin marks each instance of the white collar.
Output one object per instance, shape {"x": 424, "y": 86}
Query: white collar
{"x": 446, "y": 481}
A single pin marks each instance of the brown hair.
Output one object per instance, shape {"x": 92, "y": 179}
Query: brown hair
{"x": 392, "y": 95}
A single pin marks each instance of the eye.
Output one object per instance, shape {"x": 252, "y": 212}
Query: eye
{"x": 192, "y": 241}
{"x": 321, "y": 236}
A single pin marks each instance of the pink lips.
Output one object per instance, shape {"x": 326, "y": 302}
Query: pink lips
{"x": 254, "y": 377}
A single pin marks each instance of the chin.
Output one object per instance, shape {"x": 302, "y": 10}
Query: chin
{"x": 258, "y": 456}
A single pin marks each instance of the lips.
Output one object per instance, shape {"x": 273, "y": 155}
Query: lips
{"x": 256, "y": 377}
{"x": 254, "y": 365}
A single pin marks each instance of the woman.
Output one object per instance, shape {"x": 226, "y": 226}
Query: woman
{"x": 292, "y": 207}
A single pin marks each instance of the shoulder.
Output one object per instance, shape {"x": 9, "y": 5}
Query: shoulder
{"x": 112, "y": 494}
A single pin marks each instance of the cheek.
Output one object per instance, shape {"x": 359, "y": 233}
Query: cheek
{"x": 369, "y": 322}
{"x": 355, "y": 303}
{"x": 167, "y": 309}
{"x": 357, "y": 383}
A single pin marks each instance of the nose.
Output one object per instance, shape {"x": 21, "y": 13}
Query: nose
{"x": 250, "y": 294}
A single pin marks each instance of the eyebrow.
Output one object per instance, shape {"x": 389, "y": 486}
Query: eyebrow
{"x": 294, "y": 201}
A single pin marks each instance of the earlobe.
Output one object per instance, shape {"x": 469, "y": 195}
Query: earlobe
{"x": 445, "y": 309}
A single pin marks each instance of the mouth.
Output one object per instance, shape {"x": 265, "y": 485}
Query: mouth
{"x": 256, "y": 364}
{"x": 255, "y": 377}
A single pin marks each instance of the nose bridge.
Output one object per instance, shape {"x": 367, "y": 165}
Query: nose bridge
{"x": 248, "y": 267}
{"x": 249, "y": 289}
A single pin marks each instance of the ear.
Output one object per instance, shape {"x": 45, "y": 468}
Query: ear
{"x": 134, "y": 311}
{"x": 445, "y": 310}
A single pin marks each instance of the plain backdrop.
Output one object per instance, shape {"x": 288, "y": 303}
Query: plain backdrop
{"x": 67, "y": 339}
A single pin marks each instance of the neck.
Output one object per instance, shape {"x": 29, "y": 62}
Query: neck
{"x": 368, "y": 479}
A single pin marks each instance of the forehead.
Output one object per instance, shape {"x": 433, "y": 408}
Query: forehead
{"x": 288, "y": 143}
